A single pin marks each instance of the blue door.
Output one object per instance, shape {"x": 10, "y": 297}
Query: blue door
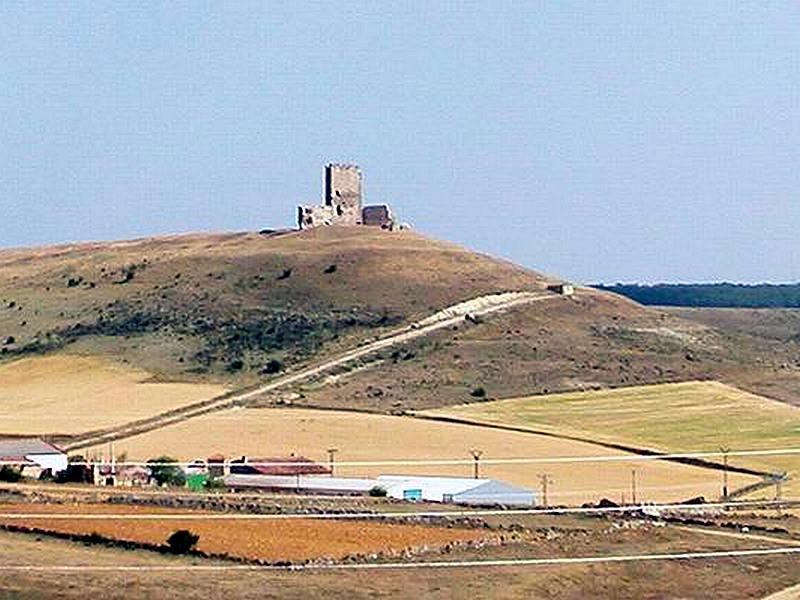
{"x": 414, "y": 494}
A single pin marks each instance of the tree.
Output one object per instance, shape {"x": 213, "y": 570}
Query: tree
{"x": 77, "y": 471}
{"x": 165, "y": 471}
{"x": 182, "y": 541}
{"x": 377, "y": 492}
{"x": 10, "y": 474}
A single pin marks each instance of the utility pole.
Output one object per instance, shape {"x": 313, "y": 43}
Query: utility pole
{"x": 633, "y": 486}
{"x": 779, "y": 479}
{"x": 331, "y": 460}
{"x": 724, "y": 450}
{"x": 546, "y": 480}
{"x": 476, "y": 456}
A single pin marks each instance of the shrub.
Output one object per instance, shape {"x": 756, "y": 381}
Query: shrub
{"x": 10, "y": 474}
{"x": 165, "y": 471}
{"x": 182, "y": 541}
{"x": 378, "y": 492}
{"x": 236, "y": 365}
{"x": 215, "y": 483}
{"x": 273, "y": 366}
{"x": 478, "y": 392}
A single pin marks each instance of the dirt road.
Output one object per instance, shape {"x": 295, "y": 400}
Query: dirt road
{"x": 477, "y": 307}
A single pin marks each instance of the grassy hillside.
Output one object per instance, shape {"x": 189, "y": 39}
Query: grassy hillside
{"x": 782, "y": 324}
{"x": 223, "y": 305}
{"x": 593, "y": 340}
{"x": 233, "y": 308}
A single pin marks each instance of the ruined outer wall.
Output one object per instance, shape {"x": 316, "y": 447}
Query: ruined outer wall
{"x": 378, "y": 215}
{"x": 314, "y": 216}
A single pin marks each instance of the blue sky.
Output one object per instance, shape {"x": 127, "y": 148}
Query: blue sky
{"x": 602, "y": 141}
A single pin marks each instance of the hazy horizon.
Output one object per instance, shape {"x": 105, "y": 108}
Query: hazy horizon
{"x": 604, "y": 143}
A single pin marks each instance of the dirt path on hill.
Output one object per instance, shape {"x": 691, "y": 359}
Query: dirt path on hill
{"x": 482, "y": 306}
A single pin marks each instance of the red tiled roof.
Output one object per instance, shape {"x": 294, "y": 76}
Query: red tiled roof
{"x": 291, "y": 465}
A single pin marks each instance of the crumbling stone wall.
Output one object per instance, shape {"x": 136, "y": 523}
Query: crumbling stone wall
{"x": 379, "y": 215}
{"x": 309, "y": 216}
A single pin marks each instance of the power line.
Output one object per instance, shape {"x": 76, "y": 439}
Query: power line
{"x": 485, "y": 461}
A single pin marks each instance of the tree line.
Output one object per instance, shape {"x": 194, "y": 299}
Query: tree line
{"x": 730, "y": 295}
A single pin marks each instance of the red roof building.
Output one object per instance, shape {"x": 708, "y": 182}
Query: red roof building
{"x": 285, "y": 465}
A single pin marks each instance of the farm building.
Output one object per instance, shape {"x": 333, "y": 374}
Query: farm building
{"x": 308, "y": 484}
{"x": 32, "y": 456}
{"x": 284, "y": 465}
{"x": 456, "y": 490}
{"x": 453, "y": 490}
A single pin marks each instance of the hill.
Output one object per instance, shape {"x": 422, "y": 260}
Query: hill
{"x": 237, "y": 308}
{"x": 222, "y": 306}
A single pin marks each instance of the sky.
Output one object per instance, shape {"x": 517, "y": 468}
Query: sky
{"x": 599, "y": 141}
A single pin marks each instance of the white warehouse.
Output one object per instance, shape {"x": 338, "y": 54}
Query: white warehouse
{"x": 455, "y": 490}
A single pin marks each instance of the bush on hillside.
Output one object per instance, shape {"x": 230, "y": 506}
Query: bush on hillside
{"x": 182, "y": 541}
{"x": 478, "y": 392}
{"x": 273, "y": 366}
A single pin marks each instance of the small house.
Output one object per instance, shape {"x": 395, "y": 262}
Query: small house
{"x": 565, "y": 289}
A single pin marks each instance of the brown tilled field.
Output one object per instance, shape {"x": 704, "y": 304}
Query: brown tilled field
{"x": 151, "y": 575}
{"x": 63, "y": 394}
{"x": 268, "y": 540}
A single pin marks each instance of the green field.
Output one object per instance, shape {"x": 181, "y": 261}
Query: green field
{"x": 679, "y": 417}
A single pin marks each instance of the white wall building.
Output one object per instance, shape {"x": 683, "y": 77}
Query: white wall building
{"x": 32, "y": 452}
{"x": 453, "y": 490}
{"x": 456, "y": 490}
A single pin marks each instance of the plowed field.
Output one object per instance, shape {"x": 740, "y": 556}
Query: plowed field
{"x": 271, "y": 540}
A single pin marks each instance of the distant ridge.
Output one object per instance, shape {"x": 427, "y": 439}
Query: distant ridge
{"x": 717, "y": 295}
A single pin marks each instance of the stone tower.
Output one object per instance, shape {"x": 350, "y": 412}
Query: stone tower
{"x": 343, "y": 193}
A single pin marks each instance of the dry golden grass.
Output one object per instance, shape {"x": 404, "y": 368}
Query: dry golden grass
{"x": 693, "y": 416}
{"x": 364, "y": 437}
{"x": 85, "y": 295}
{"x": 70, "y": 394}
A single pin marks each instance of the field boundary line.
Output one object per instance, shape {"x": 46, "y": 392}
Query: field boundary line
{"x": 652, "y": 509}
{"x": 531, "y": 562}
{"x": 692, "y": 459}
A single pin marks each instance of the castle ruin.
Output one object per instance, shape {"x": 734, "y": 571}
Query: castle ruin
{"x": 343, "y": 203}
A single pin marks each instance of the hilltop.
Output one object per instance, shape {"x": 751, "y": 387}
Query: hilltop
{"x": 224, "y": 305}
{"x": 237, "y": 308}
